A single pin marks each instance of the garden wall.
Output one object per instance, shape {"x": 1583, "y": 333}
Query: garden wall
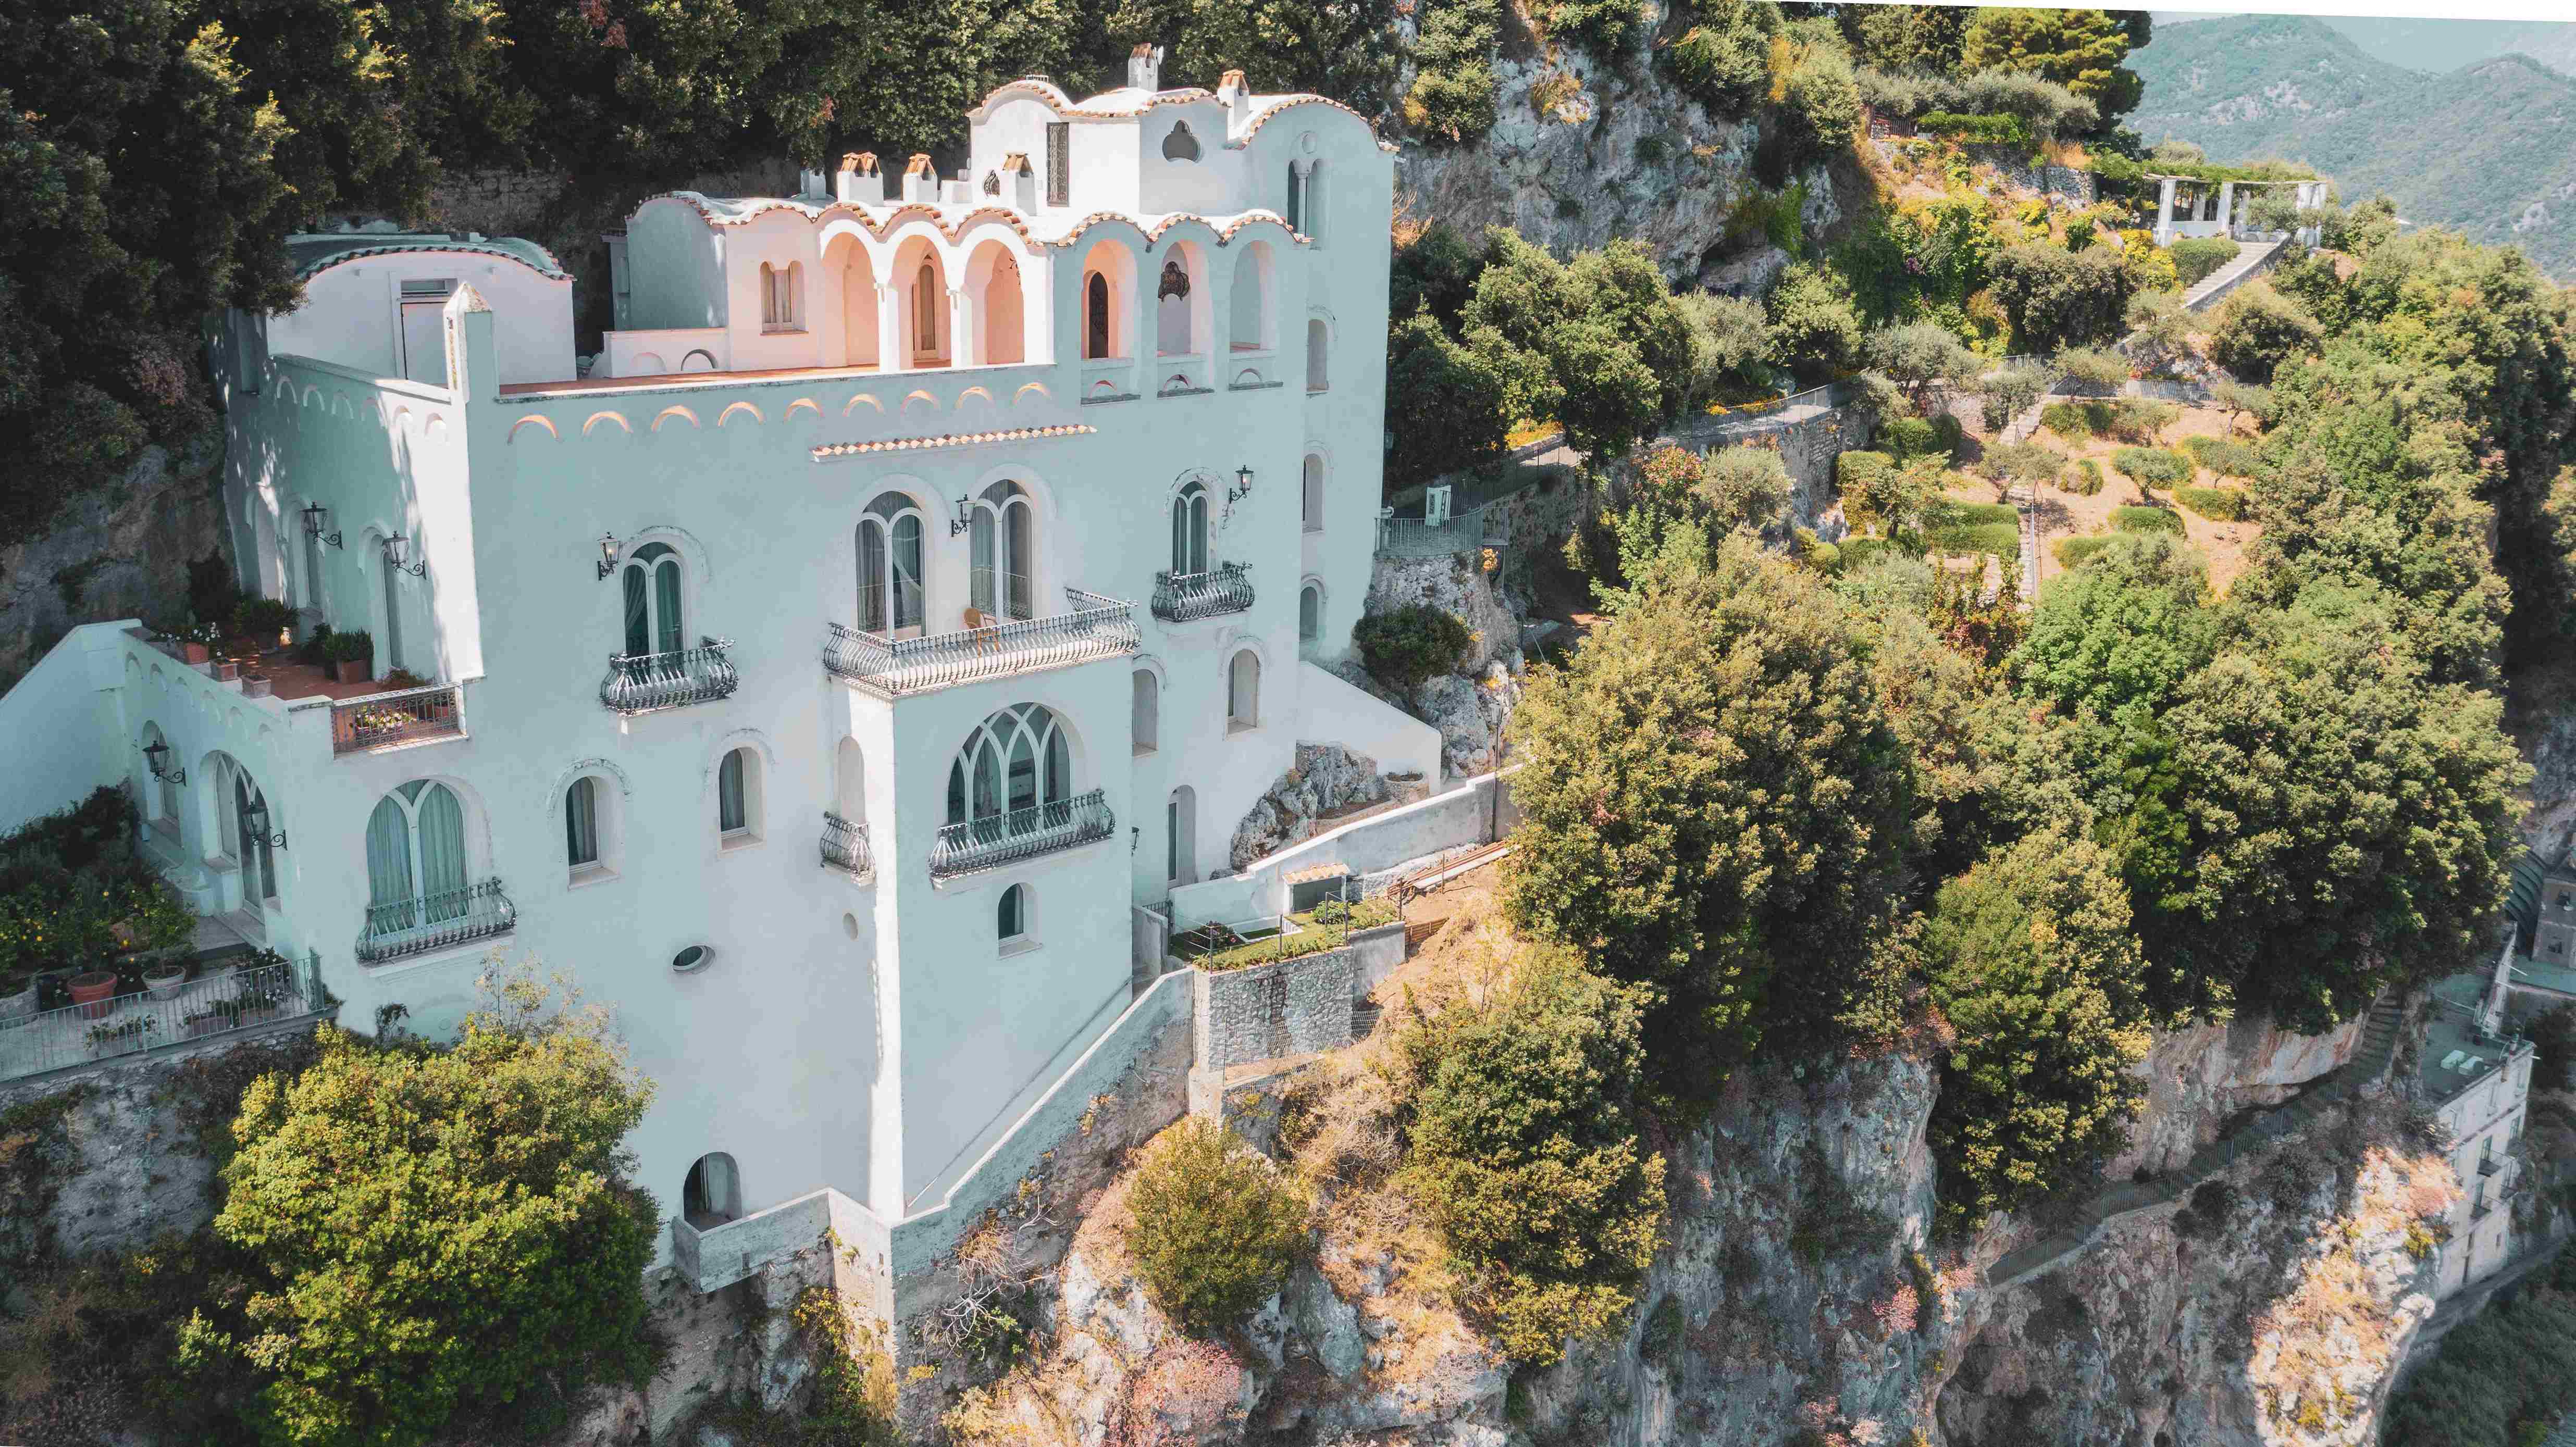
{"x": 1295, "y": 1007}
{"x": 1471, "y": 813}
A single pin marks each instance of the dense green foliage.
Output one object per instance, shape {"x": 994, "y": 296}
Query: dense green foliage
{"x": 1404, "y": 646}
{"x": 1528, "y": 1154}
{"x": 2506, "y": 1375}
{"x": 1453, "y": 85}
{"x": 1445, "y": 403}
{"x": 2031, "y": 960}
{"x": 1723, "y": 60}
{"x": 2195, "y": 258}
{"x": 2218, "y": 504}
{"x": 2059, "y": 298}
{"x": 70, "y": 881}
{"x": 2083, "y": 50}
{"x": 1213, "y": 1226}
{"x": 2125, "y": 630}
{"x": 435, "y": 1235}
{"x": 2153, "y": 467}
{"x": 2257, "y": 329}
{"x": 1815, "y": 327}
{"x": 1597, "y": 343}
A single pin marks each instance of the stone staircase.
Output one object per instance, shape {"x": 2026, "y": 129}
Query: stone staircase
{"x": 2371, "y": 1057}
{"x": 2026, "y": 504}
{"x": 2254, "y": 257}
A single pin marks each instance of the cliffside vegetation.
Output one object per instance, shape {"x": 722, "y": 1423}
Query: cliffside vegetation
{"x": 2508, "y": 1376}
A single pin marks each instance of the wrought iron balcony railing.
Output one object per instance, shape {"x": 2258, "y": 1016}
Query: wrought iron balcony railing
{"x": 1001, "y": 839}
{"x": 644, "y": 682}
{"x": 221, "y": 999}
{"x": 1093, "y": 627}
{"x": 1187, "y": 597}
{"x": 385, "y": 719}
{"x": 436, "y": 921}
{"x": 845, "y": 846}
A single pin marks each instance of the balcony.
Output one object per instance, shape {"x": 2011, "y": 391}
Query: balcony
{"x": 1188, "y": 597}
{"x": 434, "y": 922}
{"x": 220, "y": 998}
{"x": 648, "y": 682}
{"x": 383, "y": 720}
{"x": 845, "y": 847}
{"x": 1093, "y": 627}
{"x": 1000, "y": 839}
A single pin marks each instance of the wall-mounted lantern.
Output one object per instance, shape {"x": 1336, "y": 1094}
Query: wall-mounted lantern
{"x": 965, "y": 515}
{"x": 155, "y": 755}
{"x": 255, "y": 824}
{"x": 607, "y": 555}
{"x": 1242, "y": 486}
{"x": 314, "y": 516}
{"x": 397, "y": 549}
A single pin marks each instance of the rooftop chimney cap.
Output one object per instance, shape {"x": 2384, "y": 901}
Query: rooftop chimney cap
{"x": 1231, "y": 80}
{"x": 919, "y": 165}
{"x": 1015, "y": 162}
{"x": 863, "y": 162}
{"x": 1145, "y": 67}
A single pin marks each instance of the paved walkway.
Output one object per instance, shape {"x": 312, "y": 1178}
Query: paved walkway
{"x": 2219, "y": 282}
{"x": 2370, "y": 1061}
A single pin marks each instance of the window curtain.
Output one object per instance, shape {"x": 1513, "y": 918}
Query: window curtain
{"x": 389, "y": 891}
{"x": 872, "y": 576}
{"x": 666, "y": 587}
{"x": 442, "y": 853}
{"x": 581, "y": 823}
{"x": 980, "y": 541}
{"x": 907, "y": 572}
{"x": 1015, "y": 559}
{"x": 729, "y": 809}
{"x": 639, "y": 626}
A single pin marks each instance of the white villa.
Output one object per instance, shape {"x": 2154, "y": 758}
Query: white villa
{"x": 925, "y": 575}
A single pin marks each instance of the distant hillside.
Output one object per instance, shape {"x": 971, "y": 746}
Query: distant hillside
{"x": 2489, "y": 148}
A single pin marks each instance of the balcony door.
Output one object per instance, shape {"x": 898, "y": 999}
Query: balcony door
{"x": 652, "y": 579}
{"x": 1001, "y": 541}
{"x": 258, "y": 862}
{"x": 1013, "y": 764}
{"x": 891, "y": 598}
{"x": 1190, "y": 530}
{"x": 416, "y": 868}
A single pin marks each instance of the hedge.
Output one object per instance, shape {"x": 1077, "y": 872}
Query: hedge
{"x": 1982, "y": 130}
{"x": 2154, "y": 466}
{"x": 2077, "y": 421}
{"x": 1959, "y": 528}
{"x": 2072, "y": 552}
{"x": 2198, "y": 258}
{"x": 2147, "y": 520}
{"x": 2222, "y": 455}
{"x": 2219, "y": 504}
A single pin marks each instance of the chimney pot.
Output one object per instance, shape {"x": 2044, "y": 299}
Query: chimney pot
{"x": 1145, "y": 68}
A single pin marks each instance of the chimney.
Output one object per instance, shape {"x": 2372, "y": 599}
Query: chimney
{"x": 1019, "y": 182}
{"x": 920, "y": 182}
{"x": 958, "y": 192}
{"x": 859, "y": 182}
{"x": 1236, "y": 97}
{"x": 810, "y": 183}
{"x": 1145, "y": 68}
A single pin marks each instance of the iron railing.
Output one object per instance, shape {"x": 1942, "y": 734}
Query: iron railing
{"x": 1465, "y": 532}
{"x": 845, "y": 846}
{"x": 218, "y": 1001}
{"x": 1187, "y": 597}
{"x": 385, "y": 719}
{"x": 1094, "y": 627}
{"x": 1001, "y": 839}
{"x": 643, "y": 682}
{"x": 438, "y": 921}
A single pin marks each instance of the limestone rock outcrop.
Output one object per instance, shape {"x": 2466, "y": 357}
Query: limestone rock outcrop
{"x": 1327, "y": 780}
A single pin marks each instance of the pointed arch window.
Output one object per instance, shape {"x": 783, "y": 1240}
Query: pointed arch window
{"x": 1190, "y": 529}
{"x": 652, "y": 580}
{"x": 1014, "y": 761}
{"x": 416, "y": 867}
{"x": 890, "y": 567}
{"x": 1001, "y": 548}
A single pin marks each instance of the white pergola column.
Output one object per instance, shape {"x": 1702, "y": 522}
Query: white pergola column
{"x": 2227, "y": 208}
{"x": 2164, "y": 211}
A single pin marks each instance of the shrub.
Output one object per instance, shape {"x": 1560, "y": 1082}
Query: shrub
{"x": 1213, "y": 1226}
{"x": 2152, "y": 467}
{"x": 262, "y": 618}
{"x": 2077, "y": 422}
{"x": 2059, "y": 299}
{"x": 2073, "y": 552}
{"x": 1949, "y": 435}
{"x": 2010, "y": 392}
{"x": 1603, "y": 27}
{"x": 2146, "y": 520}
{"x": 2222, "y": 455}
{"x": 1444, "y": 403}
{"x": 1745, "y": 487}
{"x": 1815, "y": 325}
{"x": 1817, "y": 103}
{"x": 1724, "y": 60}
{"x": 1453, "y": 85}
{"x": 2094, "y": 367}
{"x": 1907, "y": 437}
{"x": 1408, "y": 646}
{"x": 2219, "y": 504}
{"x": 357, "y": 644}
{"x": 1961, "y": 528}
{"x": 2084, "y": 479}
{"x": 2257, "y": 329}
{"x": 1527, "y": 1154}
{"x": 2142, "y": 420}
{"x": 1977, "y": 130}
{"x": 2198, "y": 258}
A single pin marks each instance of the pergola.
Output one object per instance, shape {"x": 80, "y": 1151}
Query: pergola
{"x": 2214, "y": 212}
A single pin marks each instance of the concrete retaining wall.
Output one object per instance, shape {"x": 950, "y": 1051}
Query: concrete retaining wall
{"x": 1468, "y": 814}
{"x": 1374, "y": 955}
{"x": 1295, "y": 1007}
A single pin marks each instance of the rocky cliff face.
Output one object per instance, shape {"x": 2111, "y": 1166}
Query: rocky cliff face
{"x": 121, "y": 551}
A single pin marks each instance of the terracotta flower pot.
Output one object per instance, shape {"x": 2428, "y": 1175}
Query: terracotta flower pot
{"x": 94, "y": 992}
{"x": 257, "y": 687}
{"x": 226, "y": 670}
{"x": 352, "y": 670}
{"x": 191, "y": 652}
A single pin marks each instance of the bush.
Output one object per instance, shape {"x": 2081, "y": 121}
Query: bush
{"x": 1819, "y": 104}
{"x": 2073, "y": 552}
{"x": 2025, "y": 462}
{"x": 2142, "y": 420}
{"x": 2198, "y": 258}
{"x": 2153, "y": 467}
{"x": 1603, "y": 27}
{"x": 1977, "y": 130}
{"x": 2258, "y": 329}
{"x": 2222, "y": 455}
{"x": 2146, "y": 520}
{"x": 262, "y": 618}
{"x": 2010, "y": 392}
{"x": 355, "y": 645}
{"x": 2077, "y": 422}
{"x": 1745, "y": 487}
{"x": 2094, "y": 367}
{"x": 1411, "y": 645}
{"x": 1213, "y": 1226}
{"x": 2059, "y": 299}
{"x": 1453, "y": 85}
{"x": 1444, "y": 403}
{"x": 2084, "y": 479}
{"x": 1958, "y": 529}
{"x": 1815, "y": 325}
{"x": 2219, "y": 504}
{"x": 1907, "y": 437}
{"x": 1724, "y": 60}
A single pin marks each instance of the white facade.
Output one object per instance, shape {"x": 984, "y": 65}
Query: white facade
{"x": 2477, "y": 1082}
{"x": 924, "y": 469}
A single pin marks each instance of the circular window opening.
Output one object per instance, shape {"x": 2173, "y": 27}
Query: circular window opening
{"x": 850, "y": 925}
{"x": 691, "y": 960}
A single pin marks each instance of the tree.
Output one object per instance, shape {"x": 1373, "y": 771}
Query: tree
{"x": 2057, "y": 298}
{"x": 2257, "y": 329}
{"x": 1213, "y": 1226}
{"x": 1445, "y": 404}
{"x": 1526, "y": 1151}
{"x": 1818, "y": 103}
{"x": 1881, "y": 494}
{"x": 1728, "y": 336}
{"x": 2126, "y": 628}
{"x": 1815, "y": 328}
{"x": 2161, "y": 324}
{"x": 441, "y": 1233}
{"x": 2079, "y": 49}
{"x": 1745, "y": 487}
{"x": 2095, "y": 366}
{"x": 1453, "y": 94}
{"x": 1713, "y": 804}
{"x": 1607, "y": 396}
{"x": 2032, "y": 962}
{"x": 2242, "y": 400}
{"x": 2031, "y": 464}
{"x": 2015, "y": 390}
{"x": 1723, "y": 60}
{"x": 1905, "y": 37}
{"x": 1436, "y": 272}
{"x": 1922, "y": 357}
{"x": 1987, "y": 767}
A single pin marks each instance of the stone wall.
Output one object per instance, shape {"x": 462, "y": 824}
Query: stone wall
{"x": 121, "y": 551}
{"x": 1295, "y": 1007}
{"x": 1808, "y": 448}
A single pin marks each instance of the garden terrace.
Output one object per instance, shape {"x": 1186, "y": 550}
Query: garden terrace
{"x": 224, "y": 992}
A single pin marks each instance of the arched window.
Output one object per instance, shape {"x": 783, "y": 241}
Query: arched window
{"x": 890, "y": 572}
{"x": 1181, "y": 836}
{"x": 1179, "y": 144}
{"x": 1310, "y": 203}
{"x": 581, "y": 826}
{"x": 1316, "y": 377}
{"x": 1095, "y": 317}
{"x": 652, "y": 578}
{"x": 1011, "y": 916}
{"x": 1145, "y": 722}
{"x": 847, "y": 260}
{"x": 1001, "y": 547}
{"x": 1310, "y": 612}
{"x": 1190, "y": 529}
{"x": 712, "y": 1194}
{"x": 780, "y": 288}
{"x": 241, "y": 802}
{"x": 1311, "y": 498}
{"x": 1248, "y": 304}
{"x": 1296, "y": 196}
{"x": 416, "y": 866}
{"x": 926, "y": 300}
{"x": 1243, "y": 692}
{"x": 1014, "y": 763}
{"x": 738, "y": 797}
{"x": 994, "y": 279}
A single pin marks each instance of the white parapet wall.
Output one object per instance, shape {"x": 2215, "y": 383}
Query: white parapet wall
{"x": 1332, "y": 711}
{"x": 1477, "y": 811}
{"x": 63, "y": 713}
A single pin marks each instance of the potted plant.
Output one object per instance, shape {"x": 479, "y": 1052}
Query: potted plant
{"x": 94, "y": 991}
{"x": 165, "y": 978}
{"x": 227, "y": 670}
{"x": 260, "y": 620}
{"x": 353, "y": 656}
{"x": 122, "y": 1038}
{"x": 197, "y": 644}
{"x": 255, "y": 684}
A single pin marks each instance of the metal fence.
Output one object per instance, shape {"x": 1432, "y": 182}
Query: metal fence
{"x": 1187, "y": 597}
{"x": 381, "y": 720}
{"x": 1021, "y": 834}
{"x": 643, "y": 682}
{"x": 440, "y": 920}
{"x": 845, "y": 846}
{"x": 219, "y": 1000}
{"x": 1488, "y": 526}
{"x": 1095, "y": 627}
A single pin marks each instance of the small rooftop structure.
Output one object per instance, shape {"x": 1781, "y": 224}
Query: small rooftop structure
{"x": 2460, "y": 1051}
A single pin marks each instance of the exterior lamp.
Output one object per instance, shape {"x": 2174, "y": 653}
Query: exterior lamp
{"x": 397, "y": 548}
{"x": 1242, "y": 486}
{"x": 607, "y": 555}
{"x": 153, "y": 755}
{"x": 965, "y": 515}
{"x": 255, "y": 824}
{"x": 314, "y": 513}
